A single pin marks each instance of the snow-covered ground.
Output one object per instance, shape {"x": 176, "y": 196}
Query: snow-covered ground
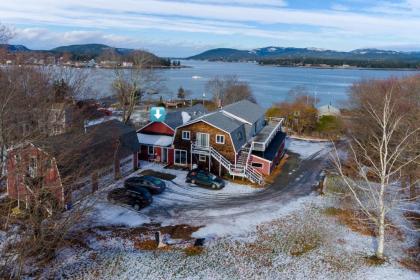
{"x": 177, "y": 193}
{"x": 306, "y": 149}
{"x": 274, "y": 236}
{"x": 270, "y": 251}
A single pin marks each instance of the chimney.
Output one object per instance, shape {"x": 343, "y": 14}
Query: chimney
{"x": 219, "y": 103}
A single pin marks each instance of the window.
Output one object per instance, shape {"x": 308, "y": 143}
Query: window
{"x": 17, "y": 158}
{"x": 257, "y": 165}
{"x": 203, "y": 139}
{"x": 150, "y": 150}
{"x": 48, "y": 163}
{"x": 181, "y": 157}
{"x": 240, "y": 135}
{"x": 220, "y": 139}
{"x": 186, "y": 135}
{"x": 202, "y": 158}
{"x": 32, "y": 167}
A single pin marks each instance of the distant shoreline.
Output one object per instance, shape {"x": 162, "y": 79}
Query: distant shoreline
{"x": 313, "y": 67}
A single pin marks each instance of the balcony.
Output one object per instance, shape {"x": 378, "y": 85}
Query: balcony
{"x": 266, "y": 135}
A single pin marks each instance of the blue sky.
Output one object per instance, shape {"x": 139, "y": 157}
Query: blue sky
{"x": 187, "y": 27}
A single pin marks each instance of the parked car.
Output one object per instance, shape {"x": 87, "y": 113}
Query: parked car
{"x": 204, "y": 178}
{"x": 136, "y": 200}
{"x": 152, "y": 184}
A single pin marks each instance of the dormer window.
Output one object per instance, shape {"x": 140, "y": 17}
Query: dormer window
{"x": 240, "y": 136}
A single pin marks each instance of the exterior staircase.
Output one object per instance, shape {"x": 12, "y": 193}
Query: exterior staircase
{"x": 240, "y": 169}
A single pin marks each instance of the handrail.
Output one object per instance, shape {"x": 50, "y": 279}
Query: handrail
{"x": 236, "y": 170}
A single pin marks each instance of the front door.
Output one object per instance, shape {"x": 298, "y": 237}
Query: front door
{"x": 164, "y": 155}
{"x": 203, "y": 139}
{"x": 181, "y": 157}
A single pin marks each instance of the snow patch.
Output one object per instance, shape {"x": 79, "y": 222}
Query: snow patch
{"x": 155, "y": 140}
{"x": 306, "y": 149}
{"x": 185, "y": 117}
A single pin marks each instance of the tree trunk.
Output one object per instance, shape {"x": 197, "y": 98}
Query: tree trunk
{"x": 381, "y": 236}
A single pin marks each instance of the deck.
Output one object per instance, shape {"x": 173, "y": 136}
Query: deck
{"x": 266, "y": 135}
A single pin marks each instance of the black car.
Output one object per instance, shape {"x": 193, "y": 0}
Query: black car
{"x": 204, "y": 178}
{"x": 137, "y": 200}
{"x": 152, "y": 184}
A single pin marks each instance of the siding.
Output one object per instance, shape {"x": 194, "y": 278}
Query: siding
{"x": 16, "y": 188}
{"x": 266, "y": 165}
{"x": 226, "y": 149}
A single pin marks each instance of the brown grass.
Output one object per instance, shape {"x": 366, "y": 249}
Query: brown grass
{"x": 148, "y": 245}
{"x": 193, "y": 251}
{"x": 374, "y": 261}
{"x": 352, "y": 219}
{"x": 414, "y": 218}
{"x": 276, "y": 172}
{"x": 177, "y": 231}
{"x": 412, "y": 261}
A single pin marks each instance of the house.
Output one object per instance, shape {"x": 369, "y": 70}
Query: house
{"x": 72, "y": 165}
{"x": 328, "y": 110}
{"x": 156, "y": 137}
{"x": 64, "y": 116}
{"x": 236, "y": 140}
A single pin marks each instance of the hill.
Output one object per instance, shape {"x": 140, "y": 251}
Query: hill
{"x": 91, "y": 51}
{"x": 302, "y": 56}
{"x": 15, "y": 48}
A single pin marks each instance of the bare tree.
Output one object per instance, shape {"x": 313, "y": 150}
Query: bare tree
{"x": 379, "y": 160}
{"x": 5, "y": 34}
{"x": 130, "y": 85}
{"x": 229, "y": 89}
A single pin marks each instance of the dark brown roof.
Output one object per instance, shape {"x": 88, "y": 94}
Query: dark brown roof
{"x": 79, "y": 153}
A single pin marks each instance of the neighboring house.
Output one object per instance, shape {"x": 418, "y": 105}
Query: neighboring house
{"x": 63, "y": 116}
{"x": 235, "y": 140}
{"x": 328, "y": 110}
{"x": 72, "y": 165}
{"x": 156, "y": 137}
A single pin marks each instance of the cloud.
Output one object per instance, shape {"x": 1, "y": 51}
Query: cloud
{"x": 262, "y": 20}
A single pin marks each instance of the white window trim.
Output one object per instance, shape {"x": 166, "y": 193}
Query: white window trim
{"x": 33, "y": 169}
{"x": 200, "y": 158}
{"x": 223, "y": 137}
{"x": 189, "y": 135}
{"x": 148, "y": 150}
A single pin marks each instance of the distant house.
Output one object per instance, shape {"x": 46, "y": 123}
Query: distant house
{"x": 236, "y": 140}
{"x": 127, "y": 64}
{"x": 72, "y": 165}
{"x": 156, "y": 137}
{"x": 328, "y": 110}
{"x": 63, "y": 116}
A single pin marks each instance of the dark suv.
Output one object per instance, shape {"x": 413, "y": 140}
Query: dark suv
{"x": 137, "y": 200}
{"x": 204, "y": 178}
{"x": 152, "y": 184}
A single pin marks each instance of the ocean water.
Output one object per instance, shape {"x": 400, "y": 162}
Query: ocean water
{"x": 270, "y": 84}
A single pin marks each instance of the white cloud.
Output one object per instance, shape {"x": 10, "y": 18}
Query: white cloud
{"x": 269, "y": 19}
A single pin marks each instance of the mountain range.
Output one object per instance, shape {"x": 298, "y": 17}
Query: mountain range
{"x": 274, "y": 53}
{"x": 78, "y": 52}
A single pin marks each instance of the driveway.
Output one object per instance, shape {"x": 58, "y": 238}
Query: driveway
{"x": 182, "y": 203}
